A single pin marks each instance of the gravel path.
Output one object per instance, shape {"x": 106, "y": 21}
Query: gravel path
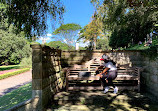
{"x": 11, "y": 83}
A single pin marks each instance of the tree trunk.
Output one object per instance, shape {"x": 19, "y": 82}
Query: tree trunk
{"x": 95, "y": 43}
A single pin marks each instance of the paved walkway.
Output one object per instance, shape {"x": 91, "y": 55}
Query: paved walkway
{"x": 11, "y": 83}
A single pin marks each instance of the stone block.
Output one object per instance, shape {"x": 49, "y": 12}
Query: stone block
{"x": 37, "y": 84}
{"x": 36, "y": 104}
{"x": 36, "y": 56}
{"x": 57, "y": 69}
{"x": 36, "y": 70}
{"x": 156, "y": 87}
{"x": 47, "y": 96}
{"x": 59, "y": 80}
{"x": 36, "y": 93}
{"x": 48, "y": 69}
{"x": 145, "y": 75}
{"x": 155, "y": 72}
{"x": 46, "y": 82}
{"x": 36, "y": 46}
{"x": 154, "y": 78}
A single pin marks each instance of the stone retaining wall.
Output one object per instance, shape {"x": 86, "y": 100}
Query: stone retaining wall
{"x": 132, "y": 58}
{"x": 149, "y": 76}
{"x": 48, "y": 77}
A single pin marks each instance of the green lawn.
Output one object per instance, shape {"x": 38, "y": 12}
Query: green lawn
{"x": 2, "y": 68}
{"x": 138, "y": 47}
{"x": 17, "y": 96}
{"x": 142, "y": 47}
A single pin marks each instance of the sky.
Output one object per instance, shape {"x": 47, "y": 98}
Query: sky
{"x": 77, "y": 11}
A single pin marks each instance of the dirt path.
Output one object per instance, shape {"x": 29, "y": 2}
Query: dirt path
{"x": 11, "y": 83}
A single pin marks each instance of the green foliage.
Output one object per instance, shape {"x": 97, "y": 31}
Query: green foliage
{"x": 103, "y": 43}
{"x": 2, "y": 68}
{"x": 151, "y": 52}
{"x": 12, "y": 47}
{"x": 31, "y": 16}
{"x": 6, "y": 75}
{"x": 26, "y": 62}
{"x": 34, "y": 43}
{"x": 67, "y": 28}
{"x": 58, "y": 44}
{"x": 67, "y": 33}
{"x": 130, "y": 21}
{"x": 15, "y": 97}
{"x": 138, "y": 47}
{"x": 91, "y": 32}
{"x": 82, "y": 48}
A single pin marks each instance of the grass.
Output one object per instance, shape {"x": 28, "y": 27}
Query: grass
{"x": 6, "y": 75}
{"x": 142, "y": 47}
{"x": 138, "y": 47}
{"x": 17, "y": 96}
{"x": 2, "y": 68}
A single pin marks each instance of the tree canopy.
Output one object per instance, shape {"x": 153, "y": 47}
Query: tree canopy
{"x": 31, "y": 16}
{"x": 103, "y": 43}
{"x": 129, "y": 20}
{"x": 90, "y": 32}
{"x": 12, "y": 47}
{"x": 58, "y": 44}
{"x": 67, "y": 33}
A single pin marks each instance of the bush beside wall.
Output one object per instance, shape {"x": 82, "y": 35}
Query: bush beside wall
{"x": 13, "y": 73}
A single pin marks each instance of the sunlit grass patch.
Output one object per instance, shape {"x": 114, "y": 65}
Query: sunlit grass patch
{"x": 15, "y": 97}
{"x": 138, "y": 47}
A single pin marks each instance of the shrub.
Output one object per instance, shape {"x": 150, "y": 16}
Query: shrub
{"x": 3, "y": 76}
{"x": 26, "y": 62}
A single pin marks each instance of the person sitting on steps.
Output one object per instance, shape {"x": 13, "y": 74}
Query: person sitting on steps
{"x": 108, "y": 74}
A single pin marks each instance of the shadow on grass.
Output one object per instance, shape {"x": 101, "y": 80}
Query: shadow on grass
{"x": 2, "y": 68}
{"x": 93, "y": 101}
{"x": 12, "y": 88}
{"x": 17, "y": 96}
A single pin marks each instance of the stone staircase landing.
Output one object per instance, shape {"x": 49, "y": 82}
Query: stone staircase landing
{"x": 98, "y": 101}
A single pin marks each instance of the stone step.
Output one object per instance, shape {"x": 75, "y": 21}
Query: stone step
{"x": 96, "y": 88}
{"x": 91, "y": 97}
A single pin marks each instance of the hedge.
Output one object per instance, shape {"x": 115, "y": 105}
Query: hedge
{"x": 3, "y": 76}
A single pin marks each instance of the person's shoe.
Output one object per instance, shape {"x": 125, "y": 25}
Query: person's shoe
{"x": 115, "y": 90}
{"x": 106, "y": 89}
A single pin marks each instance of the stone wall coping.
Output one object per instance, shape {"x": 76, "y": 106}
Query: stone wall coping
{"x": 40, "y": 46}
{"x": 100, "y": 51}
{"x": 14, "y": 108}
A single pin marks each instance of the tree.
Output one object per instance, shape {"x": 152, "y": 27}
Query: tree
{"x": 31, "y": 16}
{"x": 12, "y": 47}
{"x": 103, "y": 43}
{"x": 130, "y": 21}
{"x": 58, "y": 44}
{"x": 67, "y": 33}
{"x": 91, "y": 32}
{"x": 96, "y": 34}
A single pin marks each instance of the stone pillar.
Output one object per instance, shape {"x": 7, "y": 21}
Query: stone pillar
{"x": 47, "y": 77}
{"x": 37, "y": 75}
